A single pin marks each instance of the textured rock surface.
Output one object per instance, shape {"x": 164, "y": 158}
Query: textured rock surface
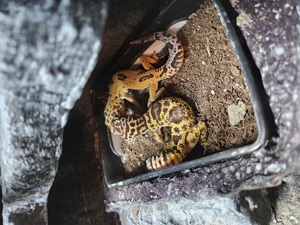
{"x": 285, "y": 201}
{"x": 272, "y": 33}
{"x": 77, "y": 195}
{"x": 186, "y": 211}
{"x": 48, "y": 51}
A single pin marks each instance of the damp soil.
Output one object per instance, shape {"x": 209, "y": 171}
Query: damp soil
{"x": 211, "y": 81}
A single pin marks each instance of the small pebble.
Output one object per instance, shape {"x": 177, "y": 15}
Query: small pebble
{"x": 236, "y": 113}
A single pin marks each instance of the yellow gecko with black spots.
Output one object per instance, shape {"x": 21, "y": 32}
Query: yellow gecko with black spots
{"x": 124, "y": 80}
{"x": 184, "y": 134}
{"x": 170, "y": 112}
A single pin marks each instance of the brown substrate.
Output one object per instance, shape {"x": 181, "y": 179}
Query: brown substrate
{"x": 211, "y": 81}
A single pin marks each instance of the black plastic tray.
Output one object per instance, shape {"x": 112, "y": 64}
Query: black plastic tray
{"x": 165, "y": 15}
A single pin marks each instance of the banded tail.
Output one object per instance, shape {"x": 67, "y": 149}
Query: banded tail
{"x": 175, "y": 49}
{"x": 172, "y": 156}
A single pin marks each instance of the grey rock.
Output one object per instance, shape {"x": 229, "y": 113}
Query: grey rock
{"x": 219, "y": 210}
{"x": 48, "y": 51}
{"x": 236, "y": 113}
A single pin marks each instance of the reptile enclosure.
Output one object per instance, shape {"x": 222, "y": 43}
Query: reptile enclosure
{"x": 55, "y": 59}
{"x": 161, "y": 18}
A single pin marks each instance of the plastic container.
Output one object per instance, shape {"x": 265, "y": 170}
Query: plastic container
{"x": 167, "y": 14}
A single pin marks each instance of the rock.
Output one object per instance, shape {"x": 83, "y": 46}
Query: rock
{"x": 236, "y": 113}
{"x": 200, "y": 210}
{"x": 48, "y": 51}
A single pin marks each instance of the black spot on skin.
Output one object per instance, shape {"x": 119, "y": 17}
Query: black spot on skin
{"x": 117, "y": 126}
{"x": 176, "y": 115}
{"x": 179, "y": 55}
{"x": 165, "y": 110}
{"x": 165, "y": 156}
{"x": 176, "y": 129}
{"x": 132, "y": 124}
{"x": 167, "y": 103}
{"x": 142, "y": 126}
{"x": 176, "y": 138}
{"x": 175, "y": 63}
{"x": 177, "y": 157}
{"x": 149, "y": 76}
{"x": 156, "y": 110}
{"x": 189, "y": 114}
{"x": 156, "y": 164}
{"x": 178, "y": 152}
{"x": 116, "y": 123}
{"x": 170, "y": 46}
{"x": 121, "y": 76}
{"x": 194, "y": 140}
{"x": 164, "y": 71}
{"x": 157, "y": 161}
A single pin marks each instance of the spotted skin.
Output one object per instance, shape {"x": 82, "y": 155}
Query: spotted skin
{"x": 170, "y": 112}
{"x": 125, "y": 80}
